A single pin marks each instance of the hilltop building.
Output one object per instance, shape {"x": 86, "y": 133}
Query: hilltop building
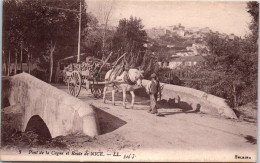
{"x": 155, "y": 32}
{"x": 179, "y": 62}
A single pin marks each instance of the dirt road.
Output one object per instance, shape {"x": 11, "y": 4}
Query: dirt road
{"x": 177, "y": 135}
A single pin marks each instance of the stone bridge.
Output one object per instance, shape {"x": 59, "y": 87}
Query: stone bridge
{"x": 38, "y": 105}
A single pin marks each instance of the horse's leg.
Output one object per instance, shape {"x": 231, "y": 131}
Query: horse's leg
{"x": 133, "y": 99}
{"x": 104, "y": 94}
{"x": 124, "y": 96}
{"x": 113, "y": 96}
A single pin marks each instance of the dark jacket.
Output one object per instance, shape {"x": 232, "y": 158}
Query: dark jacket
{"x": 155, "y": 86}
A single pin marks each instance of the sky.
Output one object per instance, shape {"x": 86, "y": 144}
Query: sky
{"x": 225, "y": 17}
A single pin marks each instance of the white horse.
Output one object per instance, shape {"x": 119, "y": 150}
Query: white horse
{"x": 127, "y": 81}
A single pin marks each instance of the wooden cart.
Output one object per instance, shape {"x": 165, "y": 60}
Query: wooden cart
{"x": 78, "y": 80}
{"x": 86, "y": 75}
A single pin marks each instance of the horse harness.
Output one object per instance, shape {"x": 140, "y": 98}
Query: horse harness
{"x": 128, "y": 80}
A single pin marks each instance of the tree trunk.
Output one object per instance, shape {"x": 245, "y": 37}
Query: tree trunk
{"x": 132, "y": 59}
{"x": 137, "y": 58}
{"x": 9, "y": 60}
{"x": 51, "y": 66}
{"x": 52, "y": 48}
{"x": 235, "y": 95}
{"x": 28, "y": 64}
{"x": 21, "y": 58}
{"x": 103, "y": 44}
{"x": 15, "y": 66}
{"x": 4, "y": 63}
{"x": 144, "y": 61}
{"x": 58, "y": 72}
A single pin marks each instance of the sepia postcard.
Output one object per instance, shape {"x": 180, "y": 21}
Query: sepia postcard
{"x": 131, "y": 81}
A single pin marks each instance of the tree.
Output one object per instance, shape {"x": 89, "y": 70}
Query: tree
{"x": 231, "y": 65}
{"x": 12, "y": 35}
{"x": 43, "y": 28}
{"x": 223, "y": 52}
{"x": 93, "y": 39}
{"x": 253, "y": 10}
{"x": 230, "y": 70}
{"x": 130, "y": 37}
{"x": 105, "y": 9}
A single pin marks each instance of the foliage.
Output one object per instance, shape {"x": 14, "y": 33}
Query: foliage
{"x": 38, "y": 26}
{"x": 174, "y": 40}
{"x": 130, "y": 37}
{"x": 253, "y": 10}
{"x": 222, "y": 84}
{"x": 230, "y": 70}
{"x": 167, "y": 75}
{"x": 130, "y": 32}
{"x": 223, "y": 52}
{"x": 93, "y": 37}
{"x": 231, "y": 66}
{"x": 149, "y": 64}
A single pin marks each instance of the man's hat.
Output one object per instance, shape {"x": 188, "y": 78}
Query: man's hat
{"x": 153, "y": 75}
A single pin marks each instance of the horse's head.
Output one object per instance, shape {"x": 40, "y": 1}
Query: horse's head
{"x": 137, "y": 76}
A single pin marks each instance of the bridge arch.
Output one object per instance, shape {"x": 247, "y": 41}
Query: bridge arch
{"x": 59, "y": 113}
{"x": 37, "y": 125}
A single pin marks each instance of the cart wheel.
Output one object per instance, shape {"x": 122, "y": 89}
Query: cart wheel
{"x": 74, "y": 84}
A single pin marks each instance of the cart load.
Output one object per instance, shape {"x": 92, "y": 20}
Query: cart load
{"x": 89, "y": 74}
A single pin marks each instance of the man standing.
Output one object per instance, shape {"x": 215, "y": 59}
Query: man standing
{"x": 152, "y": 89}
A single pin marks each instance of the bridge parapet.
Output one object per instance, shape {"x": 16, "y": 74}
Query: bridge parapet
{"x": 195, "y": 99}
{"x": 62, "y": 113}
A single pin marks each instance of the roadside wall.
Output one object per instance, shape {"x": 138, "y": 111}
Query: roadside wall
{"x": 195, "y": 99}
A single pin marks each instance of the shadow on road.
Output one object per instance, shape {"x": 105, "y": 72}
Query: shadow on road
{"x": 177, "y": 104}
{"x": 108, "y": 122}
{"x": 172, "y": 113}
{"x": 142, "y": 98}
{"x": 250, "y": 139}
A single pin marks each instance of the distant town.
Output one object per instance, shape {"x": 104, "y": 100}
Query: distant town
{"x": 185, "y": 46}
